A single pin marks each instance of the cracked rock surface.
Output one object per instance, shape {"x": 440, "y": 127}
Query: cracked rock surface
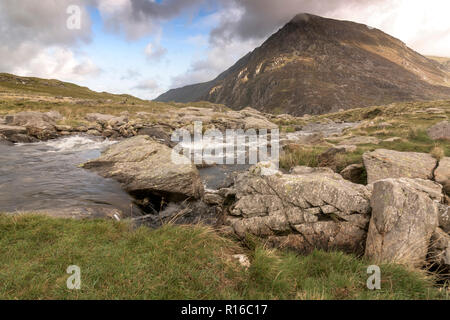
{"x": 383, "y": 164}
{"x": 306, "y": 210}
{"x": 404, "y": 218}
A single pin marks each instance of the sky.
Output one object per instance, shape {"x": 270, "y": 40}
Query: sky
{"x": 145, "y": 47}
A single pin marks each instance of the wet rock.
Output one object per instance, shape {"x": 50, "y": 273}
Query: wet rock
{"x": 145, "y": 166}
{"x": 383, "y": 164}
{"x": 404, "y": 217}
{"x": 316, "y": 207}
{"x": 440, "y": 131}
{"x": 16, "y": 134}
{"x": 213, "y": 198}
{"x": 4, "y": 141}
{"x": 8, "y": 131}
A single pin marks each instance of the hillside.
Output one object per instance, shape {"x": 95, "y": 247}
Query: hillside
{"x": 12, "y": 84}
{"x": 315, "y": 65}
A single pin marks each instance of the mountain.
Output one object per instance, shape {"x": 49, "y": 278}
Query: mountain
{"x": 315, "y": 65}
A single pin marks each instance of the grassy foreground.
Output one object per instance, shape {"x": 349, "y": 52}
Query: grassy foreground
{"x": 177, "y": 262}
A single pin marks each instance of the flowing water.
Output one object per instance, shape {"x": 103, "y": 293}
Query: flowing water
{"x": 45, "y": 175}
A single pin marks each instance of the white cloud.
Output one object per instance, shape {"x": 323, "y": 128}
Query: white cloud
{"x": 58, "y": 63}
{"x": 155, "y": 51}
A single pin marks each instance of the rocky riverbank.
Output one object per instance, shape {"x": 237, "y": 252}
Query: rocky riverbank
{"x": 390, "y": 205}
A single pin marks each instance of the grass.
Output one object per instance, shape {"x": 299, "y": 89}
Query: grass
{"x": 407, "y": 121}
{"x": 178, "y": 262}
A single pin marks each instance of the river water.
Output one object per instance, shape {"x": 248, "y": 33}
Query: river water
{"x": 46, "y": 175}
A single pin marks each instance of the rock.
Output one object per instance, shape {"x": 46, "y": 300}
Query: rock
{"x": 404, "y": 217}
{"x": 440, "y": 131}
{"x": 98, "y": 117}
{"x": 302, "y": 170}
{"x": 54, "y": 115}
{"x": 63, "y": 128}
{"x": 30, "y": 119}
{"x": 444, "y": 217}
{"x": 315, "y": 208}
{"x": 93, "y": 132}
{"x": 440, "y": 248}
{"x": 15, "y": 134}
{"x": 360, "y": 140}
{"x": 243, "y": 260}
{"x": 213, "y": 199}
{"x": 393, "y": 139}
{"x": 157, "y": 133}
{"x": 39, "y": 125}
{"x": 258, "y": 123}
{"x": 355, "y": 173}
{"x": 442, "y": 173}
{"x": 145, "y": 167}
{"x": 8, "y": 131}
{"x": 94, "y": 212}
{"x": 382, "y": 164}
{"x": 328, "y": 157}
{"x": 4, "y": 141}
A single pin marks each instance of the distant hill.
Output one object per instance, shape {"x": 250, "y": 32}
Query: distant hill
{"x": 10, "y": 83}
{"x": 315, "y": 65}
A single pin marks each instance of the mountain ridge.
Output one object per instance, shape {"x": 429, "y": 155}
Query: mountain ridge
{"x": 317, "y": 65}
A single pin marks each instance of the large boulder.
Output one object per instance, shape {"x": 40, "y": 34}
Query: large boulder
{"x": 404, "y": 217}
{"x": 383, "y": 164}
{"x": 15, "y": 134}
{"x": 145, "y": 168}
{"x": 440, "y": 131}
{"x": 312, "y": 208}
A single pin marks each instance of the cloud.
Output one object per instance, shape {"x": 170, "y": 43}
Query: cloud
{"x": 138, "y": 18}
{"x": 58, "y": 63}
{"x": 148, "y": 84}
{"x": 131, "y": 74}
{"x": 155, "y": 51}
{"x": 35, "y": 40}
{"x": 413, "y": 21}
{"x": 218, "y": 59}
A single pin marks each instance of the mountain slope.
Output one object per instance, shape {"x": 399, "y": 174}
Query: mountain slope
{"x": 316, "y": 65}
